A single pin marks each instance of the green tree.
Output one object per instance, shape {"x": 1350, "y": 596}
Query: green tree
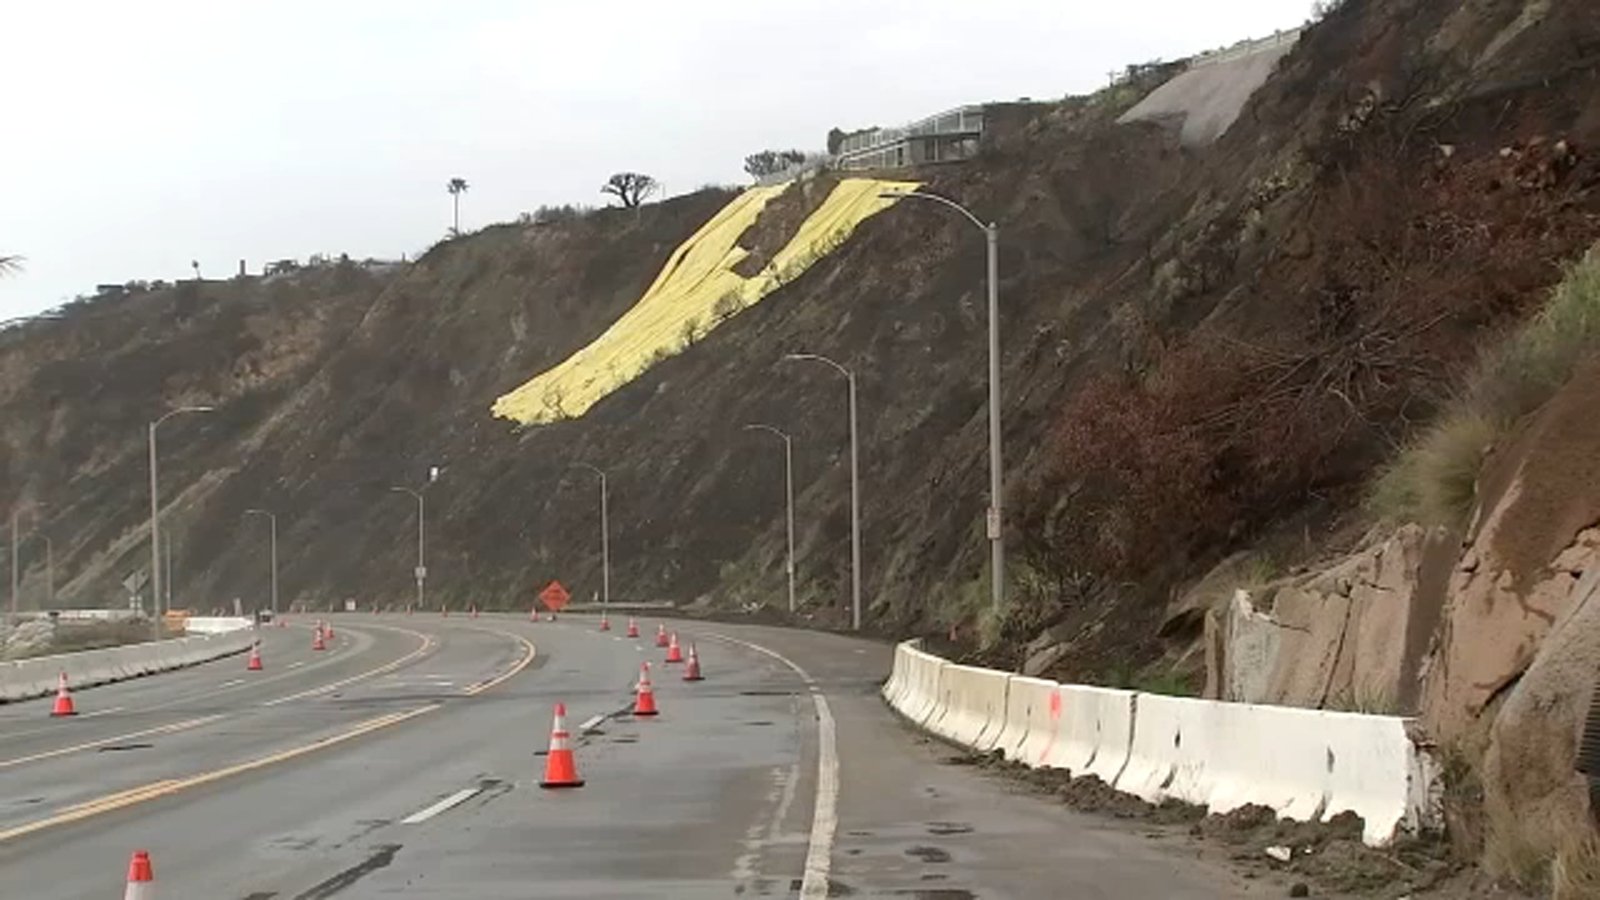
{"x": 456, "y": 187}
{"x": 771, "y": 162}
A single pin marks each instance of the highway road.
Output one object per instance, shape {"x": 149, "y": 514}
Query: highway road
{"x": 404, "y": 762}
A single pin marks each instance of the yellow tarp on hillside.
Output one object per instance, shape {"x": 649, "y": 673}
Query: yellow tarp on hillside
{"x": 696, "y": 291}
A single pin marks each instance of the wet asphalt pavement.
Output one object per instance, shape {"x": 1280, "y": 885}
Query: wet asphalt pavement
{"x": 404, "y": 762}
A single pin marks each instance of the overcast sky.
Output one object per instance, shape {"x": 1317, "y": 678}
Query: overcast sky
{"x": 138, "y": 136}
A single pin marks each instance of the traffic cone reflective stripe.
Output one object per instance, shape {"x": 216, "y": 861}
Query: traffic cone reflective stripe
{"x": 633, "y": 627}
{"x": 63, "y": 706}
{"x": 691, "y": 672}
{"x": 644, "y": 702}
{"x": 605, "y": 623}
{"x": 316, "y": 638}
{"x": 674, "y": 652}
{"x": 141, "y": 878}
{"x": 661, "y": 635}
{"x": 560, "y": 768}
{"x": 254, "y": 665}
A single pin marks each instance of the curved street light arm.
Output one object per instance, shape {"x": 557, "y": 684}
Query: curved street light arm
{"x": 923, "y": 195}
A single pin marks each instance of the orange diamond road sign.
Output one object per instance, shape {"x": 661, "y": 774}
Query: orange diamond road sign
{"x": 554, "y": 596}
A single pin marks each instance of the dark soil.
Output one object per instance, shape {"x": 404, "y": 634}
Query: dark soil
{"x": 1329, "y": 857}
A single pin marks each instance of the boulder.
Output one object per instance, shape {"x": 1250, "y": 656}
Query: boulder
{"x": 1534, "y": 801}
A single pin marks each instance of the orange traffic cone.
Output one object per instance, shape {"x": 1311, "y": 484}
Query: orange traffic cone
{"x": 444, "y": 611}
{"x": 560, "y": 769}
{"x": 674, "y": 653}
{"x": 316, "y": 638}
{"x": 633, "y": 627}
{"x": 661, "y": 635}
{"x": 691, "y": 672}
{"x": 474, "y": 612}
{"x": 605, "y": 623}
{"x": 254, "y": 665}
{"x": 141, "y": 878}
{"x": 644, "y": 702}
{"x": 63, "y": 705}
{"x": 327, "y": 631}
{"x": 533, "y": 614}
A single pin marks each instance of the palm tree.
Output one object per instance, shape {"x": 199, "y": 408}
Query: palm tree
{"x": 456, "y": 187}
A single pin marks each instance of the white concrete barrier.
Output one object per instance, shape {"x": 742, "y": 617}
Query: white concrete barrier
{"x": 894, "y": 689}
{"x": 1096, "y": 731}
{"x": 1032, "y": 721}
{"x": 1377, "y": 773}
{"x": 1152, "y": 753}
{"x": 972, "y": 706}
{"x": 36, "y": 677}
{"x": 919, "y": 701}
{"x": 1303, "y": 764}
{"x": 215, "y": 624}
{"x": 1272, "y": 756}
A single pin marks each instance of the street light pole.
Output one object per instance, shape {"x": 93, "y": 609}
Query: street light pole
{"x": 605, "y": 538}
{"x": 788, "y": 490}
{"x": 168, "y": 576}
{"x": 272, "y": 520}
{"x": 993, "y": 520}
{"x": 855, "y": 487}
{"x": 49, "y": 571}
{"x": 155, "y": 513}
{"x": 16, "y": 558}
{"x": 421, "y": 570}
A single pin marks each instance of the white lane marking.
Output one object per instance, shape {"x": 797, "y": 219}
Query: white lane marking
{"x": 231, "y": 683}
{"x": 450, "y": 802}
{"x": 297, "y": 665}
{"x": 790, "y": 782}
{"x": 825, "y": 812}
{"x": 591, "y": 724}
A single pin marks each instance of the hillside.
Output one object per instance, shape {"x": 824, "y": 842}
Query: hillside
{"x": 1206, "y": 347}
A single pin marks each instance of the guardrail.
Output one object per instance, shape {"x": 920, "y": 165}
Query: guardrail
{"x": 25, "y": 679}
{"x": 1304, "y": 764}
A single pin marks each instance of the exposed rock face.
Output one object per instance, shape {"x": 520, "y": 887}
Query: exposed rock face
{"x": 1493, "y": 631}
{"x": 1331, "y": 639}
{"x": 1533, "y": 799}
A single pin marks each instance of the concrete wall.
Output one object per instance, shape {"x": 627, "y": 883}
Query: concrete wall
{"x": 1304, "y": 764}
{"x": 29, "y": 678}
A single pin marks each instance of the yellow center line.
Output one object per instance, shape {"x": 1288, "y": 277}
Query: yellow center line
{"x": 90, "y": 745}
{"x": 168, "y": 787}
{"x": 427, "y": 644}
{"x": 528, "y": 653}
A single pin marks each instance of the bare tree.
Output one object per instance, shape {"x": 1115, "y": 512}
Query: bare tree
{"x": 632, "y": 188}
{"x": 10, "y": 264}
{"x": 456, "y": 187}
